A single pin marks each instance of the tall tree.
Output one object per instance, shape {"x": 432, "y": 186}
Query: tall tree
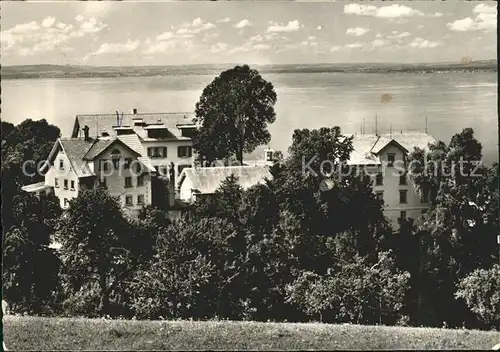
{"x": 30, "y": 266}
{"x": 29, "y": 142}
{"x": 458, "y": 233}
{"x": 96, "y": 244}
{"x": 234, "y": 110}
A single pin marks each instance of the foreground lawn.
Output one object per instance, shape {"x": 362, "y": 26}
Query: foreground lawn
{"x": 33, "y": 333}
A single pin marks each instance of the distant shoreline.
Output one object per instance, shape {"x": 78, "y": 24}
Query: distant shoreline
{"x": 71, "y": 72}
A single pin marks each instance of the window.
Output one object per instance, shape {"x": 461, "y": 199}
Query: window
{"x": 184, "y": 151}
{"x": 379, "y": 180}
{"x": 402, "y": 179}
{"x": 61, "y": 164}
{"x": 116, "y": 163}
{"x": 379, "y": 195}
{"x": 128, "y": 182}
{"x": 140, "y": 199}
{"x": 138, "y": 168}
{"x": 391, "y": 157}
{"x": 402, "y": 197}
{"x": 127, "y": 162}
{"x": 72, "y": 185}
{"x": 56, "y": 182}
{"x": 269, "y": 155}
{"x": 66, "y": 202}
{"x": 157, "y": 152}
{"x": 140, "y": 181}
{"x": 65, "y": 184}
{"x": 128, "y": 200}
{"x": 402, "y": 214}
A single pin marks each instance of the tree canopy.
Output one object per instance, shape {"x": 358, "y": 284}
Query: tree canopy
{"x": 234, "y": 111}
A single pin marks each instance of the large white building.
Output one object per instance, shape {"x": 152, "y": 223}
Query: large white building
{"x": 129, "y": 152}
{"x": 124, "y": 152}
{"x": 384, "y": 157}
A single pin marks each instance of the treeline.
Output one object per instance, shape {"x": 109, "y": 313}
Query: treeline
{"x": 286, "y": 250}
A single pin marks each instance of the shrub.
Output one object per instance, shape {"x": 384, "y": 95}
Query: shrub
{"x": 481, "y": 292}
{"x": 353, "y": 292}
{"x": 195, "y": 273}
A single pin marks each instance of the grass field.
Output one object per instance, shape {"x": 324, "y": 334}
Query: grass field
{"x": 30, "y": 333}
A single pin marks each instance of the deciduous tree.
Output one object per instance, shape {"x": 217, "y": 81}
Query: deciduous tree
{"x": 96, "y": 242}
{"x": 234, "y": 111}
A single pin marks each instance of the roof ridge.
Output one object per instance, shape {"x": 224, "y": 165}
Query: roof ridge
{"x": 227, "y": 167}
{"x": 139, "y": 113}
{"x": 374, "y": 144}
{"x": 92, "y": 146}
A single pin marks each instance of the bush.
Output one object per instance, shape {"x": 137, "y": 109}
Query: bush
{"x": 481, "y": 292}
{"x": 355, "y": 291}
{"x": 195, "y": 273}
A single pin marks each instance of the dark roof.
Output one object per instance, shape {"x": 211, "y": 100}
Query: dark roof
{"x": 81, "y": 152}
{"x": 99, "y": 146}
{"x": 75, "y": 149}
{"x": 99, "y": 123}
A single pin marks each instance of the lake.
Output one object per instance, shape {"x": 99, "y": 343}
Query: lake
{"x": 401, "y": 101}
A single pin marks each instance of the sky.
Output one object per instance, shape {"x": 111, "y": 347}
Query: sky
{"x": 265, "y": 32}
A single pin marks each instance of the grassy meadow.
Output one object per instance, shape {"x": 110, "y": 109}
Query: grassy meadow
{"x": 30, "y": 333}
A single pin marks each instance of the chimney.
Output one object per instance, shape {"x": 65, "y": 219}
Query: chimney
{"x": 86, "y": 132}
{"x": 134, "y": 111}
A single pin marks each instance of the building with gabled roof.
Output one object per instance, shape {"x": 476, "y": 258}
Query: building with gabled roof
{"x": 384, "y": 157}
{"x": 166, "y": 137}
{"x": 126, "y": 153}
{"x": 204, "y": 181}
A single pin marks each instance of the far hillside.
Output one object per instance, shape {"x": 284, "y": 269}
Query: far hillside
{"x": 71, "y": 71}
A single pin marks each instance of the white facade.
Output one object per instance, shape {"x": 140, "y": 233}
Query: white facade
{"x": 62, "y": 179}
{"x": 163, "y": 162}
{"x": 398, "y": 192}
{"x": 385, "y": 155}
{"x": 155, "y": 141}
{"x": 131, "y": 187}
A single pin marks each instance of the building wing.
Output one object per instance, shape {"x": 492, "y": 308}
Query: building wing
{"x": 206, "y": 180}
